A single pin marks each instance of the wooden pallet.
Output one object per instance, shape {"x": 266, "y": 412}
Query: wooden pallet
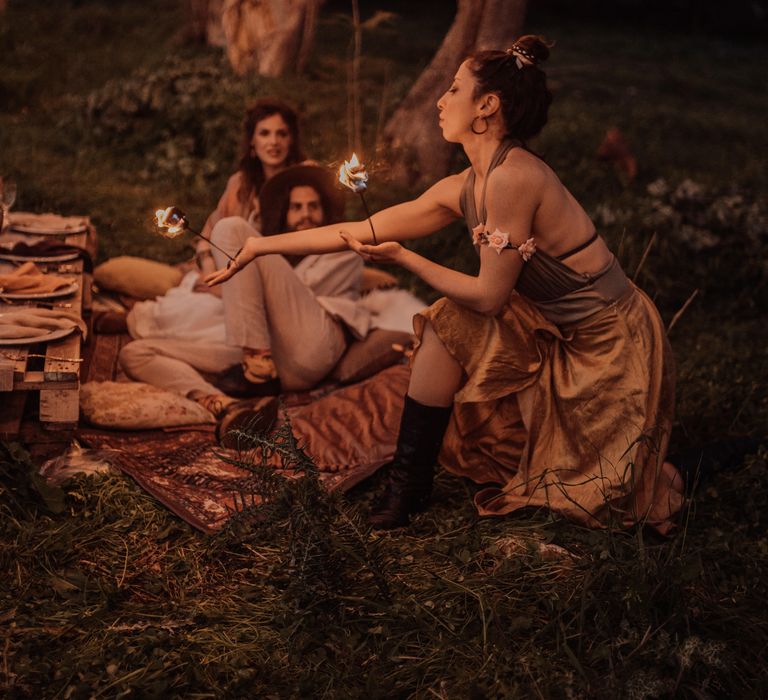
{"x": 52, "y": 369}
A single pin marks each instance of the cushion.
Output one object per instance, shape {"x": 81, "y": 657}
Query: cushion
{"x": 136, "y": 277}
{"x": 373, "y": 278}
{"x": 138, "y": 406}
{"x": 364, "y": 358}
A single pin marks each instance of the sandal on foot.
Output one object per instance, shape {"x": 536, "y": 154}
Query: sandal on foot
{"x": 213, "y": 403}
{"x": 243, "y": 417}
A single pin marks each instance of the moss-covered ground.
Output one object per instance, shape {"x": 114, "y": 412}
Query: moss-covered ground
{"x": 107, "y": 109}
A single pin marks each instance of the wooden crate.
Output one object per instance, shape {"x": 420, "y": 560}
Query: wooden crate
{"x": 53, "y": 368}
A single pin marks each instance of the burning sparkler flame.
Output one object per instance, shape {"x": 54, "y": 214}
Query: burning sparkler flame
{"x": 172, "y": 222}
{"x": 353, "y": 175}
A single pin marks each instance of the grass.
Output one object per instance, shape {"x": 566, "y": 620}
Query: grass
{"x": 104, "y": 593}
{"x": 116, "y": 597}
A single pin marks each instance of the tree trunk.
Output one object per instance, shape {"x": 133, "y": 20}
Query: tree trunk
{"x": 412, "y": 134}
{"x": 205, "y": 22}
{"x": 269, "y": 37}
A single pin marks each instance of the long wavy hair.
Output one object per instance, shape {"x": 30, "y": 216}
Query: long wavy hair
{"x": 250, "y": 165}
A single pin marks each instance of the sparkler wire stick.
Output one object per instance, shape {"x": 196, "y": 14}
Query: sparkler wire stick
{"x": 353, "y": 175}
{"x": 197, "y": 233}
{"x": 368, "y": 214}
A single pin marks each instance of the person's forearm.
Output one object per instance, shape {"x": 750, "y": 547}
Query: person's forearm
{"x": 316, "y": 241}
{"x": 397, "y": 223}
{"x": 457, "y": 286}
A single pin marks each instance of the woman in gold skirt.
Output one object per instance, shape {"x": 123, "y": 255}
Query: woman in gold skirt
{"x": 547, "y": 378}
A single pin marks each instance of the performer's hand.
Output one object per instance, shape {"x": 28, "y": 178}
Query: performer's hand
{"x": 243, "y": 256}
{"x": 389, "y": 252}
{"x": 219, "y": 276}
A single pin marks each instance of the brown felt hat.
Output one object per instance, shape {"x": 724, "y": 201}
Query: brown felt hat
{"x": 273, "y": 198}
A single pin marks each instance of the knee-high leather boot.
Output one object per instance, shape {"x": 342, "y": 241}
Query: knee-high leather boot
{"x": 412, "y": 470}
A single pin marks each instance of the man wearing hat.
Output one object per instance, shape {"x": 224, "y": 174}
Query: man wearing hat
{"x": 291, "y": 316}
{"x": 287, "y": 321}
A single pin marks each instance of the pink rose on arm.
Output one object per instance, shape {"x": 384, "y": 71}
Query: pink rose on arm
{"x": 478, "y": 234}
{"x": 498, "y": 240}
{"x": 527, "y": 249}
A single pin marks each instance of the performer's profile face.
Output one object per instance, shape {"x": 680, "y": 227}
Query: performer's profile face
{"x": 271, "y": 140}
{"x": 457, "y": 106}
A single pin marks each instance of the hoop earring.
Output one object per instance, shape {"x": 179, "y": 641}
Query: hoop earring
{"x": 472, "y": 125}
{"x": 252, "y": 151}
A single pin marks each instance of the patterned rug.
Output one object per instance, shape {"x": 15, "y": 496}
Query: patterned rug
{"x": 349, "y": 434}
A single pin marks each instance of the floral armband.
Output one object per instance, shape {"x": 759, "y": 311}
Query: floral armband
{"x": 499, "y": 240}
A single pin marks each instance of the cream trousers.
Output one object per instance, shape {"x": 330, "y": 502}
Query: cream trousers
{"x": 265, "y": 306}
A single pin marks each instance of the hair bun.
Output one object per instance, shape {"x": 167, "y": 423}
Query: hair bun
{"x": 534, "y": 47}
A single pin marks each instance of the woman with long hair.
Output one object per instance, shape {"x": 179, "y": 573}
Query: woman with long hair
{"x": 172, "y": 334}
{"x": 549, "y": 370}
{"x": 270, "y": 143}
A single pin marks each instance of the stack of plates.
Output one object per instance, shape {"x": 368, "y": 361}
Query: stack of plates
{"x": 64, "y": 257}
{"x": 46, "y": 224}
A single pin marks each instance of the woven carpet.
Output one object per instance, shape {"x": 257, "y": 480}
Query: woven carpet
{"x": 349, "y": 433}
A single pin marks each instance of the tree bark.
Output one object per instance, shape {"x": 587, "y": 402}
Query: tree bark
{"x": 419, "y": 151}
{"x": 269, "y": 37}
{"x": 205, "y": 22}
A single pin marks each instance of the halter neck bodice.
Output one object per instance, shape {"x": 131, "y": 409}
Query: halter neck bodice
{"x": 546, "y": 280}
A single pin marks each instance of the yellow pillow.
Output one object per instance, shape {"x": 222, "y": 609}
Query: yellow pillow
{"x": 138, "y": 406}
{"x": 136, "y": 277}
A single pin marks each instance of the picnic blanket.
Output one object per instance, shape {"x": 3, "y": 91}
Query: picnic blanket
{"x": 349, "y": 433}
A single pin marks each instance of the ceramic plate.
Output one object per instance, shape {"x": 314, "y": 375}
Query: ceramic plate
{"x": 42, "y": 231}
{"x": 63, "y": 292}
{"x": 53, "y": 335}
{"x": 64, "y": 257}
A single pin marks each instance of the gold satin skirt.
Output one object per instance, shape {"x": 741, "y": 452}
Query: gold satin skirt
{"x": 575, "y": 419}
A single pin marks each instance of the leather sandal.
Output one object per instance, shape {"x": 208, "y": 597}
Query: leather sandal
{"x": 246, "y": 417}
{"x": 213, "y": 403}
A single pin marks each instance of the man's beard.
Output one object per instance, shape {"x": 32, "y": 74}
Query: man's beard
{"x": 305, "y": 224}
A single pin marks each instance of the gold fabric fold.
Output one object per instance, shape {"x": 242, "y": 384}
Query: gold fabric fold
{"x": 573, "y": 418}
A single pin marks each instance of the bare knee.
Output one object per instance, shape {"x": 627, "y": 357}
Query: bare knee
{"x": 232, "y": 231}
{"x": 435, "y": 375}
{"x": 134, "y": 355}
{"x": 432, "y": 345}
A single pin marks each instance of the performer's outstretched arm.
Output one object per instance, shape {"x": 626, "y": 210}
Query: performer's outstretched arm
{"x": 436, "y": 208}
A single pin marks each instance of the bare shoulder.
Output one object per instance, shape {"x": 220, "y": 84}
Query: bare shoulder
{"x": 447, "y": 192}
{"x": 519, "y": 179}
{"x": 234, "y": 181}
{"x": 520, "y": 168}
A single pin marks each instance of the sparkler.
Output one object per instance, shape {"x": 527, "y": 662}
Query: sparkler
{"x": 353, "y": 175}
{"x": 172, "y": 222}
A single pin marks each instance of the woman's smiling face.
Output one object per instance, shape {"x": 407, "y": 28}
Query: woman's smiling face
{"x": 457, "y": 106}
{"x": 271, "y": 140}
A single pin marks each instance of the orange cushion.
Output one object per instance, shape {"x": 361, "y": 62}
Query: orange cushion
{"x": 137, "y": 277}
{"x": 364, "y": 358}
